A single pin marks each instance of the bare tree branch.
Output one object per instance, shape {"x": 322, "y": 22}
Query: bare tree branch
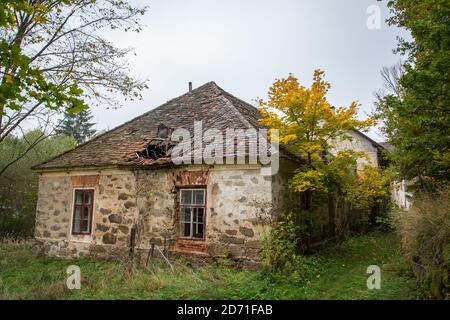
{"x": 61, "y": 38}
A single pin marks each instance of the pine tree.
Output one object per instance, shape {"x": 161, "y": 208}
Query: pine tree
{"x": 78, "y": 126}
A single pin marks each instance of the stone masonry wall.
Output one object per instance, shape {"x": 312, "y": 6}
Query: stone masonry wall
{"x": 239, "y": 207}
{"x": 114, "y": 213}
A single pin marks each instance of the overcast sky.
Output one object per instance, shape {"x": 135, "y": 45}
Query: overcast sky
{"x": 244, "y": 45}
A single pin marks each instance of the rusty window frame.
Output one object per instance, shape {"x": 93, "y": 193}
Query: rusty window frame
{"x": 82, "y": 206}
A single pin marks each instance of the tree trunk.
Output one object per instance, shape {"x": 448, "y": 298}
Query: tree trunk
{"x": 308, "y": 200}
{"x": 332, "y": 215}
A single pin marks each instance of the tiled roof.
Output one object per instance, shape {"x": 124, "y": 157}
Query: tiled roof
{"x": 121, "y": 146}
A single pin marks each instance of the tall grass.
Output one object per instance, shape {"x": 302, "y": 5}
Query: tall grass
{"x": 425, "y": 241}
{"x": 336, "y": 273}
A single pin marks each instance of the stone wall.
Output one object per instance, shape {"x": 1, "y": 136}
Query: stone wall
{"x": 239, "y": 207}
{"x": 114, "y": 212}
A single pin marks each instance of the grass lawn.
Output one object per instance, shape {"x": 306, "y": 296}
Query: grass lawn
{"x": 338, "y": 272}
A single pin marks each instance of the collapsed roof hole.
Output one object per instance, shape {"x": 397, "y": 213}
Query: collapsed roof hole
{"x": 160, "y": 146}
{"x": 156, "y": 149}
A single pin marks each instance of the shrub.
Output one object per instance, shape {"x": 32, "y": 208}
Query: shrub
{"x": 385, "y": 220}
{"x": 280, "y": 244}
{"x": 425, "y": 236}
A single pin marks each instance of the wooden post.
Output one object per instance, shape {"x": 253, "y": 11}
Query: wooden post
{"x": 150, "y": 253}
{"x": 132, "y": 242}
{"x": 164, "y": 246}
{"x": 332, "y": 204}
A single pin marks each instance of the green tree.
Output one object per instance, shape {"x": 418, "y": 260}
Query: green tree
{"x": 78, "y": 126}
{"x": 54, "y": 57}
{"x": 416, "y": 111}
{"x": 19, "y": 184}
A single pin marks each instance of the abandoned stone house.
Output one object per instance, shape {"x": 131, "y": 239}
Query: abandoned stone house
{"x": 92, "y": 197}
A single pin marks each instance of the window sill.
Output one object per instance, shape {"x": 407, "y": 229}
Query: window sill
{"x": 82, "y": 238}
{"x": 191, "y": 239}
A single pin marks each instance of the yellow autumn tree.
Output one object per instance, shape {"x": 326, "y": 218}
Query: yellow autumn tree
{"x": 370, "y": 187}
{"x": 308, "y": 125}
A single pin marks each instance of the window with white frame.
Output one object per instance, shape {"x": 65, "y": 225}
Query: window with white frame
{"x": 192, "y": 213}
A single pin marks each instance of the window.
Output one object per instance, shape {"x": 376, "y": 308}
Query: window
{"x": 82, "y": 211}
{"x": 192, "y": 213}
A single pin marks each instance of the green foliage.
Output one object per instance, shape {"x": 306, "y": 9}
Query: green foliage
{"x": 38, "y": 62}
{"x": 283, "y": 244}
{"x": 280, "y": 245}
{"x": 19, "y": 184}
{"x": 308, "y": 180}
{"x": 53, "y": 58}
{"x": 425, "y": 236}
{"x": 9, "y": 7}
{"x": 371, "y": 187}
{"x": 337, "y": 172}
{"x": 362, "y": 186}
{"x": 23, "y": 82}
{"x": 20, "y": 80}
{"x": 387, "y": 222}
{"x": 337, "y": 273}
{"x": 78, "y": 126}
{"x": 417, "y": 114}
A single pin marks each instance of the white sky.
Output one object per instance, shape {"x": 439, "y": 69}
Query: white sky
{"x": 244, "y": 45}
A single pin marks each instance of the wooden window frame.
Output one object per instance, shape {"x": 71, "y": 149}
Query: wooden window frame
{"x": 181, "y": 220}
{"x": 81, "y": 206}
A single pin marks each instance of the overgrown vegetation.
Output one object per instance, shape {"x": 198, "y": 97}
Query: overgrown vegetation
{"x": 339, "y": 272}
{"x": 425, "y": 239}
{"x": 54, "y": 58}
{"x": 19, "y": 184}
{"x": 311, "y": 127}
{"x": 415, "y": 110}
{"x": 280, "y": 246}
